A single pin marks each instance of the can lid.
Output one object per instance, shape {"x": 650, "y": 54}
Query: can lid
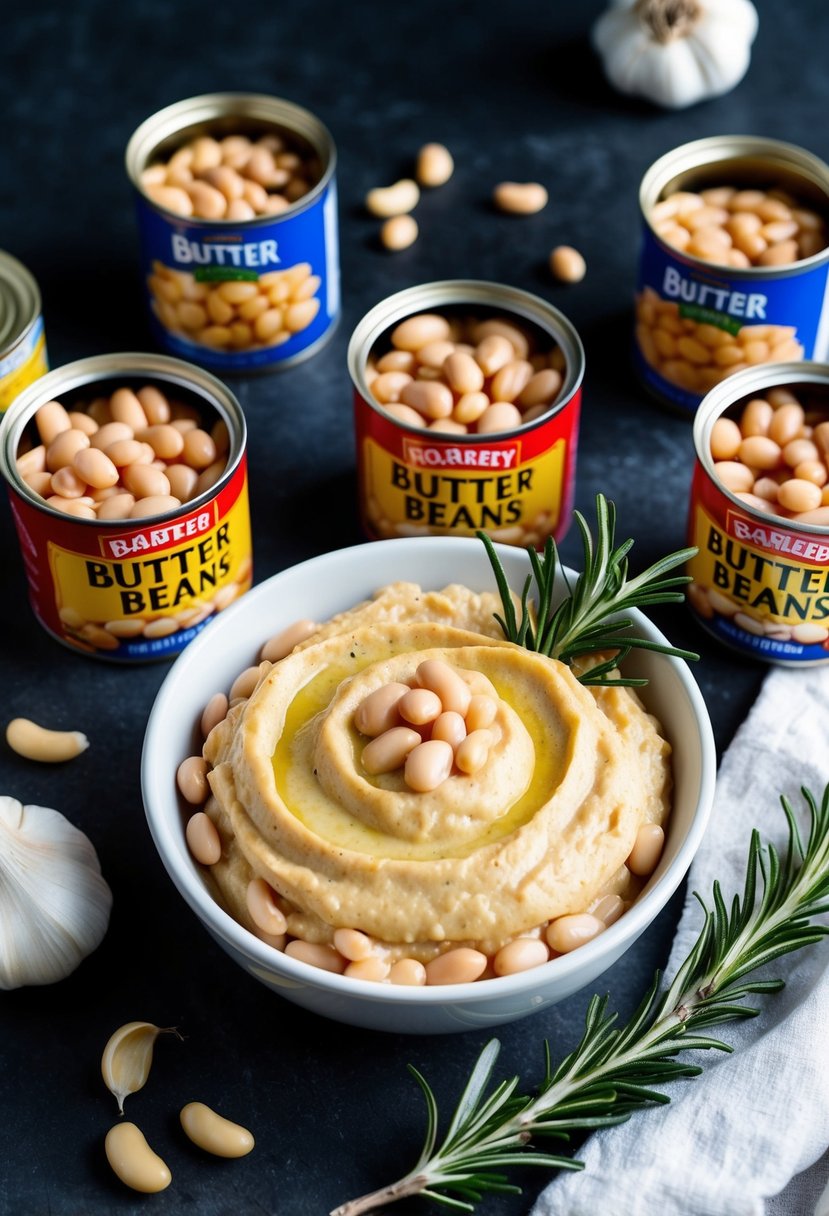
{"x": 19, "y": 300}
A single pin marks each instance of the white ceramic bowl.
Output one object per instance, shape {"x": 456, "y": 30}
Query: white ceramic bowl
{"x": 319, "y": 588}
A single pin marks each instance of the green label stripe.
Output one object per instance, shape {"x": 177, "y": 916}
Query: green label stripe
{"x": 707, "y": 316}
{"x": 224, "y": 274}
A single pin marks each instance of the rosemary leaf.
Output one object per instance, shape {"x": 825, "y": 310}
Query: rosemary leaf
{"x": 611, "y": 1073}
{"x": 586, "y": 618}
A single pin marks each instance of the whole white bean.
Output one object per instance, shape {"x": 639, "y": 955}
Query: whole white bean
{"x": 428, "y": 765}
{"x": 191, "y": 779}
{"x": 399, "y": 232}
{"x": 214, "y": 1133}
{"x": 398, "y": 199}
{"x": 281, "y": 644}
{"x": 472, "y": 752}
{"x": 408, "y": 971}
{"x": 566, "y": 933}
{"x": 215, "y": 711}
{"x": 203, "y": 839}
{"x": 520, "y": 198}
{"x": 419, "y": 706}
{"x": 443, "y": 680}
{"x": 434, "y": 165}
{"x": 389, "y": 750}
{"x": 450, "y": 727}
{"x": 48, "y": 746}
{"x": 134, "y": 1161}
{"x": 647, "y": 849}
{"x": 263, "y": 908}
{"x": 520, "y": 955}
{"x": 459, "y": 966}
{"x": 379, "y": 711}
{"x": 353, "y": 945}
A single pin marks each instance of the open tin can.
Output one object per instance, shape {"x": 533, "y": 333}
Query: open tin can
{"x": 238, "y": 295}
{"x": 699, "y": 322}
{"x": 517, "y": 485}
{"x": 130, "y": 589}
{"x": 22, "y": 341}
{"x": 760, "y": 580}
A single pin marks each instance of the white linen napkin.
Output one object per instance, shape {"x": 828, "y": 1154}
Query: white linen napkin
{"x": 749, "y": 1137}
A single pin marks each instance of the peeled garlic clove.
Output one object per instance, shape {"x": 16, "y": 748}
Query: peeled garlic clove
{"x": 125, "y": 1064}
{"x": 54, "y": 903}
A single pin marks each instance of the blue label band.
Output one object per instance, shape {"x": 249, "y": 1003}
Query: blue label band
{"x": 239, "y": 298}
{"x": 697, "y": 323}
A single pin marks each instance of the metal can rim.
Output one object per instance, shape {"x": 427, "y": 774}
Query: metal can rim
{"x": 20, "y": 280}
{"x": 206, "y": 106}
{"x": 734, "y": 387}
{"x": 713, "y": 149}
{"x": 514, "y": 300}
{"x": 84, "y": 372}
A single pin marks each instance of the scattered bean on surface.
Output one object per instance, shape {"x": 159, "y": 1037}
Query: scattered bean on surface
{"x": 434, "y": 165}
{"x": 36, "y": 742}
{"x": 567, "y": 264}
{"x": 520, "y": 198}
{"x": 398, "y": 199}
{"x": 133, "y": 1161}
{"x": 214, "y": 1133}
{"x": 399, "y": 232}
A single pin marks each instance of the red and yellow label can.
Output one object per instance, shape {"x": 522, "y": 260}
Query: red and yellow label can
{"x": 22, "y": 340}
{"x": 516, "y": 485}
{"x": 760, "y": 581}
{"x": 132, "y": 589}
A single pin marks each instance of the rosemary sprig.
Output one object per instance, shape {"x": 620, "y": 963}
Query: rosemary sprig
{"x": 613, "y": 1070}
{"x": 586, "y": 620}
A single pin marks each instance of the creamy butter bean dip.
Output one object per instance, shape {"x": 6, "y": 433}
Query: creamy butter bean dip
{"x": 401, "y": 795}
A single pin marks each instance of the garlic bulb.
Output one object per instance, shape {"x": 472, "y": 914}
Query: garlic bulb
{"x": 54, "y": 903}
{"x": 676, "y": 52}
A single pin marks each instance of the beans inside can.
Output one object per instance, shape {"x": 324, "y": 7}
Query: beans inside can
{"x": 759, "y": 514}
{"x": 22, "y": 340}
{"x": 128, "y": 487}
{"x": 467, "y": 398}
{"x": 237, "y": 215}
{"x": 734, "y": 265}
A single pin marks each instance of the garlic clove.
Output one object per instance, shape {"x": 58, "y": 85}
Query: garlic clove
{"x": 128, "y": 1055}
{"x": 54, "y": 902}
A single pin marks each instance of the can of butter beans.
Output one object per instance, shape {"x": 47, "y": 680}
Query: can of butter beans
{"x": 22, "y": 340}
{"x": 734, "y": 264}
{"x": 139, "y": 582}
{"x": 421, "y": 475}
{"x": 256, "y": 286}
{"x": 761, "y": 579}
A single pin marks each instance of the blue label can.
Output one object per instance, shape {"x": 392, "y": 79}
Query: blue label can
{"x": 254, "y": 287}
{"x": 702, "y": 314}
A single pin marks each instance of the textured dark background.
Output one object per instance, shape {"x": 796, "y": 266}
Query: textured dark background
{"x": 515, "y": 92}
